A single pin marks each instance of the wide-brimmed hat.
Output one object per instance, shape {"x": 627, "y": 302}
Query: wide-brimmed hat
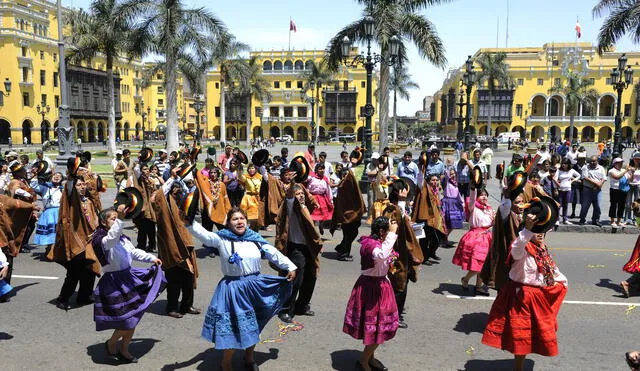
{"x": 301, "y": 166}
{"x": 260, "y": 157}
{"x": 242, "y": 157}
{"x": 145, "y": 155}
{"x": 545, "y": 209}
{"x": 423, "y": 160}
{"x": 190, "y": 206}
{"x": 194, "y": 152}
{"x": 40, "y": 167}
{"x": 412, "y": 187}
{"x": 476, "y": 177}
{"x": 516, "y": 183}
{"x": 15, "y": 166}
{"x": 85, "y": 155}
{"x": 184, "y": 170}
{"x": 358, "y": 155}
{"x": 73, "y": 164}
{"x": 132, "y": 199}
{"x": 100, "y": 184}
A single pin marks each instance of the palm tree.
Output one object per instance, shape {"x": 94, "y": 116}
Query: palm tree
{"x": 577, "y": 91}
{"x": 106, "y": 29}
{"x": 183, "y": 37}
{"x": 623, "y": 17}
{"x": 392, "y": 17}
{"x": 321, "y": 76}
{"x": 495, "y": 72}
{"x": 400, "y": 83}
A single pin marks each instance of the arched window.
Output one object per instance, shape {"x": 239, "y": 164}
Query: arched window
{"x": 308, "y": 65}
{"x": 277, "y": 66}
{"x": 299, "y": 65}
{"x": 288, "y": 65}
{"x": 267, "y": 66}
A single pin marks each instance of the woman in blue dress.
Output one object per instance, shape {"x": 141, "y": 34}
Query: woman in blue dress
{"x": 245, "y": 300}
{"x": 51, "y": 193}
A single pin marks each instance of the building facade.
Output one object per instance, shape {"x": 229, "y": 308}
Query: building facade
{"x": 528, "y": 105}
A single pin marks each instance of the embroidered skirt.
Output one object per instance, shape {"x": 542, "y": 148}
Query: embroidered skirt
{"x": 472, "y": 249}
{"x": 523, "y": 319}
{"x": 122, "y": 297}
{"x": 324, "y": 211}
{"x": 46, "y": 227}
{"x": 453, "y": 212}
{"x": 372, "y": 313}
{"x": 241, "y": 307}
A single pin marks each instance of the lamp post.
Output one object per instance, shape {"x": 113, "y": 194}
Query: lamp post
{"x": 468, "y": 79}
{"x": 311, "y": 100}
{"x": 619, "y": 83}
{"x": 460, "y": 118}
{"x": 43, "y": 111}
{"x": 142, "y": 112}
{"x": 526, "y": 122}
{"x": 7, "y": 87}
{"x": 369, "y": 63}
{"x": 198, "y": 105}
{"x": 259, "y": 111}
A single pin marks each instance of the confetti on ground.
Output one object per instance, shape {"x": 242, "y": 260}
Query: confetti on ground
{"x": 469, "y": 350}
{"x": 283, "y": 329}
{"x": 629, "y": 309}
{"x": 595, "y": 265}
{"x": 615, "y": 254}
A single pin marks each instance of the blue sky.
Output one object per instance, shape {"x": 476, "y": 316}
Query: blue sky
{"x": 464, "y": 26}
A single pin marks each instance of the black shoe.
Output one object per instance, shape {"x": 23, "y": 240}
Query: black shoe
{"x": 285, "y": 317}
{"x": 482, "y": 291}
{"x": 573, "y": 216}
{"x": 345, "y": 258}
{"x": 306, "y": 312}
{"x": 124, "y": 359}
{"x": 376, "y": 365}
{"x": 597, "y": 224}
{"x": 427, "y": 262}
{"x": 111, "y": 355}
{"x": 192, "y": 310}
{"x": 175, "y": 315}
{"x": 84, "y": 302}
{"x": 63, "y": 305}
{"x": 402, "y": 324}
{"x": 251, "y": 366}
{"x": 436, "y": 257}
{"x": 581, "y": 222}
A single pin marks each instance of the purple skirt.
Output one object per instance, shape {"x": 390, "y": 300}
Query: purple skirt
{"x": 453, "y": 211}
{"x": 122, "y": 297}
{"x": 372, "y": 313}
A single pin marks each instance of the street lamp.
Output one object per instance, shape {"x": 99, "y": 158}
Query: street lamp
{"x": 259, "y": 111}
{"x": 198, "y": 105}
{"x": 312, "y": 101}
{"x": 619, "y": 83}
{"x": 7, "y": 87}
{"x": 460, "y": 119}
{"x": 468, "y": 79}
{"x": 369, "y": 63}
{"x": 42, "y": 111}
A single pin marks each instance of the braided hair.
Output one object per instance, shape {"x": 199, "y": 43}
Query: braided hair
{"x": 380, "y": 223}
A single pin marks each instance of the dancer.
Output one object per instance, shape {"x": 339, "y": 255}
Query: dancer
{"x": 122, "y": 284}
{"x": 215, "y": 202}
{"x": 250, "y": 203}
{"x": 348, "y": 212}
{"x": 523, "y": 318}
{"x": 452, "y": 203}
{"x": 427, "y": 210}
{"x": 372, "y": 313}
{"x": 146, "y": 221}
{"x": 244, "y": 300}
{"x": 51, "y": 193}
{"x": 318, "y": 186}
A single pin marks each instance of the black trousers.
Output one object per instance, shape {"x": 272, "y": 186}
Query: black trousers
{"x": 305, "y": 281}
{"x": 31, "y": 227}
{"x": 464, "y": 190}
{"x": 146, "y": 232}
{"x": 401, "y": 298}
{"x": 349, "y": 234}
{"x": 77, "y": 272}
{"x": 179, "y": 280}
{"x": 430, "y": 243}
{"x": 10, "y": 261}
{"x": 235, "y": 197}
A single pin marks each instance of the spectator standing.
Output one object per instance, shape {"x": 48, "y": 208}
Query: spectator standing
{"x": 435, "y": 166}
{"x": 566, "y": 177}
{"x": 225, "y": 157}
{"x": 487, "y": 158}
{"x": 593, "y": 178}
{"x": 634, "y": 191}
{"x": 462, "y": 173}
{"x": 576, "y": 186}
{"x": 409, "y": 169}
{"x": 619, "y": 186}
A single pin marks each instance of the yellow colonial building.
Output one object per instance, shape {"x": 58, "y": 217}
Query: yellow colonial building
{"x": 528, "y": 106}
{"x": 338, "y": 106}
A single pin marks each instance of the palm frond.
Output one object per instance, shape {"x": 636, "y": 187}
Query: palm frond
{"x": 624, "y": 18}
{"x": 423, "y": 34}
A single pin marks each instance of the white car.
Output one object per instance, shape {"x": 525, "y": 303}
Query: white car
{"x": 285, "y": 138}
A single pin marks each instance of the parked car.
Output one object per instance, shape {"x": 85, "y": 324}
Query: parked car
{"x": 285, "y": 139}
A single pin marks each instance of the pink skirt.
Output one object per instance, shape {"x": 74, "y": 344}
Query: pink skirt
{"x": 472, "y": 249}
{"x": 372, "y": 313}
{"x": 324, "y": 211}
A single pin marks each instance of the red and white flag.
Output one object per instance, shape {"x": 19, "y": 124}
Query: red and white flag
{"x": 292, "y": 25}
{"x": 578, "y": 30}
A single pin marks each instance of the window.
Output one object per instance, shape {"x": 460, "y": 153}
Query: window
{"x": 41, "y": 55}
{"x": 345, "y": 84}
{"x": 592, "y": 81}
{"x": 363, "y": 84}
{"x": 608, "y": 81}
{"x": 299, "y": 85}
{"x": 25, "y": 99}
{"x": 56, "y": 100}
{"x": 55, "y": 79}
{"x": 217, "y": 111}
{"x": 519, "y": 110}
{"x": 25, "y": 74}
{"x": 273, "y": 111}
{"x": 24, "y": 51}
{"x": 287, "y": 84}
{"x": 627, "y": 110}
{"x": 302, "y": 111}
{"x": 160, "y": 90}
{"x": 520, "y": 82}
{"x": 160, "y": 102}
{"x": 276, "y": 84}
{"x": 556, "y": 81}
{"x": 43, "y": 100}
{"x": 43, "y": 77}
{"x": 540, "y": 82}
{"x": 159, "y": 76}
{"x": 555, "y": 63}
{"x": 55, "y": 57}
{"x": 1, "y": 100}
{"x": 217, "y": 85}
{"x": 288, "y": 111}
{"x": 258, "y": 109}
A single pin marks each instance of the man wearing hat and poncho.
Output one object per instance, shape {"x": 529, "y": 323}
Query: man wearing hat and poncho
{"x": 347, "y": 213}
{"x": 146, "y": 221}
{"x": 20, "y": 188}
{"x": 73, "y": 249}
{"x": 90, "y": 179}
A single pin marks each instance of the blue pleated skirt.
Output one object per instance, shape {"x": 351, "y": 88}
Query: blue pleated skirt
{"x": 122, "y": 297}
{"x": 241, "y": 307}
{"x": 5, "y": 288}
{"x": 46, "y": 227}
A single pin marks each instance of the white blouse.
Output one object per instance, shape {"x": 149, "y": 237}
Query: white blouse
{"x": 248, "y": 251}
{"x": 524, "y": 268}
{"x": 120, "y": 251}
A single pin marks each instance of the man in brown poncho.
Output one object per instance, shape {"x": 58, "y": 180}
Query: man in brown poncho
{"x": 146, "y": 221}
{"x": 19, "y": 188}
{"x": 347, "y": 213}
{"x": 73, "y": 249}
{"x": 175, "y": 247}
{"x": 426, "y": 209}
{"x": 90, "y": 180}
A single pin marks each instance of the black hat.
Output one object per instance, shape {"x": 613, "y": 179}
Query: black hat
{"x": 476, "y": 179}
{"x": 15, "y": 166}
{"x": 516, "y": 183}
{"x": 132, "y": 198}
{"x": 190, "y": 206}
{"x": 185, "y": 170}
{"x": 300, "y": 165}
{"x": 412, "y": 187}
{"x": 358, "y": 155}
{"x": 145, "y": 155}
{"x": 423, "y": 160}
{"x": 384, "y": 160}
{"x": 242, "y": 157}
{"x": 545, "y": 209}
{"x": 86, "y": 155}
{"x": 40, "y": 167}
{"x": 195, "y": 151}
{"x": 260, "y": 157}
{"x": 73, "y": 163}
{"x": 100, "y": 185}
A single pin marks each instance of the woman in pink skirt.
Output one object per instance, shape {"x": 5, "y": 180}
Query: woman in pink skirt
{"x": 318, "y": 186}
{"x": 474, "y": 245}
{"x": 372, "y": 314}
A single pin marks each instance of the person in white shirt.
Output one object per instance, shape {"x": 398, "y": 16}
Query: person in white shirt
{"x": 593, "y": 178}
{"x": 572, "y": 155}
{"x": 487, "y": 158}
{"x": 5, "y": 288}
{"x": 543, "y": 153}
{"x": 243, "y": 292}
{"x": 322, "y": 159}
{"x": 566, "y": 176}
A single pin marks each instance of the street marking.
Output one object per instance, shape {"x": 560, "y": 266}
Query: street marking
{"x": 35, "y": 277}
{"x": 615, "y": 303}
{"x": 583, "y": 249}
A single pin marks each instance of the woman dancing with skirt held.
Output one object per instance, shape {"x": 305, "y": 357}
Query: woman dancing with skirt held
{"x": 372, "y": 314}
{"x": 244, "y": 300}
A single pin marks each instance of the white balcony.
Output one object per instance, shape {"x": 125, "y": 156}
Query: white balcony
{"x": 26, "y": 84}
{"x": 577, "y": 119}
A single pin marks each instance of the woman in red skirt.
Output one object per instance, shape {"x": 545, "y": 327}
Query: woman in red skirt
{"x": 372, "y": 314}
{"x": 522, "y": 319}
{"x": 318, "y": 186}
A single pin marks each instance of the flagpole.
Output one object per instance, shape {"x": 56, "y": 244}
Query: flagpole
{"x": 290, "y": 33}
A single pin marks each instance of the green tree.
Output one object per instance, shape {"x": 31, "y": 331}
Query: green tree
{"x": 106, "y": 29}
{"x": 392, "y": 17}
{"x": 321, "y": 76}
{"x": 576, "y": 91}
{"x": 183, "y": 37}
{"x": 400, "y": 83}
{"x": 495, "y": 72}
{"x": 623, "y": 17}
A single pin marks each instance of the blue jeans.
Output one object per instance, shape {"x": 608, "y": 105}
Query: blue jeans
{"x": 590, "y": 196}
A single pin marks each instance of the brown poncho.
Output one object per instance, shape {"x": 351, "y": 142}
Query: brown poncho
{"x": 146, "y": 188}
{"x": 408, "y": 248}
{"x": 14, "y": 218}
{"x": 215, "y": 204}
{"x": 349, "y": 206}
{"x": 76, "y": 223}
{"x": 92, "y": 186}
{"x": 426, "y": 209}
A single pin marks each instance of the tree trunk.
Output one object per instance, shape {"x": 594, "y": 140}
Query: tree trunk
{"x": 384, "y": 104}
{"x": 490, "y": 112}
{"x": 249, "y": 120}
{"x": 171, "y": 75}
{"x": 571, "y": 118}
{"x": 395, "y": 120}
{"x": 223, "y": 111}
{"x": 111, "y": 108}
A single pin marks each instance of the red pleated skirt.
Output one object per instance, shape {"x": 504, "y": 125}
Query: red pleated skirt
{"x": 472, "y": 249}
{"x": 523, "y": 319}
{"x": 633, "y": 265}
{"x": 324, "y": 211}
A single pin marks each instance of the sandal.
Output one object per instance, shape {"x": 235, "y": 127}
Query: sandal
{"x": 625, "y": 288}
{"x": 633, "y": 363}
{"x": 465, "y": 284}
